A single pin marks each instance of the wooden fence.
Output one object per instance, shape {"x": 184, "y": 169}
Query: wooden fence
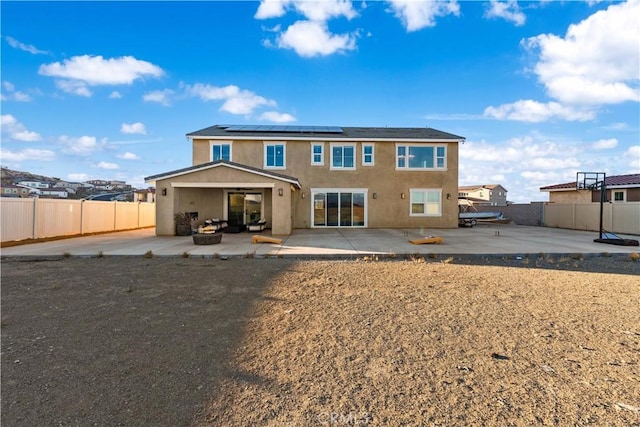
{"x": 35, "y": 218}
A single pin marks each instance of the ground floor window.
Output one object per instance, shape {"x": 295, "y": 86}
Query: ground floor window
{"x": 426, "y": 202}
{"x": 618, "y": 196}
{"x": 339, "y": 208}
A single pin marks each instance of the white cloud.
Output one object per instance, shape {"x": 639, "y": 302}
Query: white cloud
{"x": 128, "y": 156}
{"x": 82, "y": 71}
{"x": 523, "y": 164}
{"x": 312, "y": 10}
{"x": 83, "y": 146}
{"x": 534, "y": 112}
{"x": 274, "y": 116}
{"x": 605, "y": 144}
{"x": 107, "y": 166}
{"x": 311, "y": 38}
{"x": 74, "y": 87}
{"x": 596, "y": 62}
{"x": 78, "y": 177}
{"x": 162, "y": 97}
{"x": 133, "y": 128}
{"x": 115, "y": 95}
{"x": 416, "y": 15}
{"x": 28, "y": 154}
{"x": 633, "y": 157}
{"x": 11, "y": 94}
{"x": 321, "y": 11}
{"x": 14, "y": 130}
{"x": 271, "y": 9}
{"x": 25, "y": 47}
{"x": 508, "y": 10}
{"x": 236, "y": 100}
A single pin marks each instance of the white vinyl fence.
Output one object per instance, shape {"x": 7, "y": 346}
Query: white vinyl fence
{"x": 621, "y": 218}
{"x": 36, "y": 218}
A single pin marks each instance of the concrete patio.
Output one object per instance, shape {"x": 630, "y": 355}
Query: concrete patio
{"x": 484, "y": 239}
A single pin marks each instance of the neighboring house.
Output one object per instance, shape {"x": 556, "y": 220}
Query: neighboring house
{"x": 100, "y": 184}
{"x": 60, "y": 193}
{"x": 34, "y": 184}
{"x": 148, "y": 195}
{"x": 484, "y": 195}
{"x": 315, "y": 177}
{"x": 619, "y": 189}
{"x": 69, "y": 185}
{"x": 14, "y": 191}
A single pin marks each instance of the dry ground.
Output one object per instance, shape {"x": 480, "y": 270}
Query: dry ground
{"x": 172, "y": 341}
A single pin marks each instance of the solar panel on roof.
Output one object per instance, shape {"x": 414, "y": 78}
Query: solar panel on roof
{"x": 284, "y": 129}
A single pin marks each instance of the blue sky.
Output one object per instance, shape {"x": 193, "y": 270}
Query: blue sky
{"x": 540, "y": 90}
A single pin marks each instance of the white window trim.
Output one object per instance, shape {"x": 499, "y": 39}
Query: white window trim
{"x": 342, "y": 144}
{"x": 212, "y": 143}
{"x": 435, "y": 157}
{"x": 313, "y": 192}
{"x": 373, "y": 154}
{"x": 613, "y": 195}
{"x": 321, "y": 162}
{"x": 284, "y": 155}
{"x": 424, "y": 190}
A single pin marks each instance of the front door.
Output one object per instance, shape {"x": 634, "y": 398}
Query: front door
{"x": 244, "y": 208}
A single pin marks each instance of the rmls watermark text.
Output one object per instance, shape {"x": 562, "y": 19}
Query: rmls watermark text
{"x": 346, "y": 418}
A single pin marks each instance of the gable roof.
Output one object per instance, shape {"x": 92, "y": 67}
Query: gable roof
{"x": 480, "y": 187}
{"x": 326, "y": 133}
{"x": 218, "y": 163}
{"x": 632, "y": 180}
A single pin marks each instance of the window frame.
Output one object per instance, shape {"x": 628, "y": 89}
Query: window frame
{"x": 621, "y": 191}
{"x": 364, "y": 192}
{"x": 220, "y": 143}
{"x": 425, "y": 191}
{"x": 284, "y": 154}
{"x": 313, "y": 154}
{"x": 407, "y": 146}
{"x": 351, "y": 145}
{"x": 364, "y": 155}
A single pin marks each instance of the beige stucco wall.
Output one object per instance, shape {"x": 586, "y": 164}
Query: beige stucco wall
{"x": 210, "y": 202}
{"x": 574, "y": 196}
{"x": 387, "y": 211}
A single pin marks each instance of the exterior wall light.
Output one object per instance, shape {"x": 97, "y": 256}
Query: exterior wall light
{"x": 375, "y": 195}
{"x": 164, "y": 191}
{"x": 402, "y": 195}
{"x": 448, "y": 196}
{"x": 280, "y": 192}
{"x": 303, "y": 195}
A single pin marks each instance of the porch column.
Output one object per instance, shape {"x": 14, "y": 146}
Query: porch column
{"x": 281, "y": 221}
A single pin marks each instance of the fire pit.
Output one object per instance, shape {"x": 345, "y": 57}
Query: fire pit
{"x": 207, "y": 238}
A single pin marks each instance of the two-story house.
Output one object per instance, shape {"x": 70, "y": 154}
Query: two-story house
{"x": 315, "y": 177}
{"x": 484, "y": 195}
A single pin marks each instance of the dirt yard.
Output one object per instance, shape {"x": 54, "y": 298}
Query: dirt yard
{"x": 271, "y": 342}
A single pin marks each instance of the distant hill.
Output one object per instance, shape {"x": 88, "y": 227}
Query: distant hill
{"x": 9, "y": 176}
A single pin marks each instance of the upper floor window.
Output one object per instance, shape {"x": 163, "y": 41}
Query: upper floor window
{"x": 317, "y": 153}
{"x": 220, "y": 151}
{"x": 367, "y": 155}
{"x": 426, "y": 202}
{"x": 343, "y": 156}
{"x": 421, "y": 157}
{"x": 275, "y": 155}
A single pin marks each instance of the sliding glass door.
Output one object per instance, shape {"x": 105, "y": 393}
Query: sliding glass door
{"x": 339, "y": 208}
{"x": 244, "y": 208}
